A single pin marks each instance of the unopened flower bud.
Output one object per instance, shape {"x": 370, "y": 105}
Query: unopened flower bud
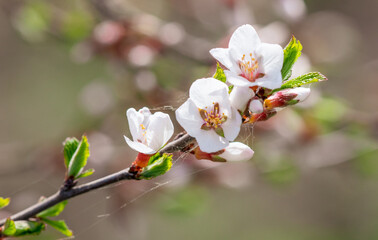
{"x": 255, "y": 117}
{"x": 256, "y": 106}
{"x": 237, "y": 151}
{"x": 286, "y": 97}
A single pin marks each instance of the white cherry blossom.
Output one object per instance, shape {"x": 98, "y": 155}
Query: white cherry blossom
{"x": 149, "y": 132}
{"x": 249, "y": 61}
{"x": 208, "y": 115}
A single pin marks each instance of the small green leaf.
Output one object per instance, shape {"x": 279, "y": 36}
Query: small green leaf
{"x": 22, "y": 228}
{"x": 4, "y": 202}
{"x": 60, "y": 225}
{"x": 9, "y": 227}
{"x": 77, "y": 25}
{"x": 53, "y": 211}
{"x": 157, "y": 165}
{"x": 70, "y": 146}
{"x": 219, "y": 74}
{"x": 79, "y": 159}
{"x": 302, "y": 80}
{"x": 86, "y": 173}
{"x": 291, "y": 53}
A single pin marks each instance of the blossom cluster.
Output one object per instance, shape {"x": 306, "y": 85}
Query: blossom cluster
{"x": 252, "y": 86}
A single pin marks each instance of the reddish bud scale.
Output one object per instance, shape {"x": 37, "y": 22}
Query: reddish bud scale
{"x": 279, "y": 99}
{"x": 204, "y": 155}
{"x": 255, "y": 117}
{"x": 140, "y": 162}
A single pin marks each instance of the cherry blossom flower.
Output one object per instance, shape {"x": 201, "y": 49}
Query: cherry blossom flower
{"x": 150, "y": 132}
{"x": 250, "y": 62}
{"x": 208, "y": 115}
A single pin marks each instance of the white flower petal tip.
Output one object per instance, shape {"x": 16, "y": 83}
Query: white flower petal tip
{"x": 240, "y": 96}
{"x": 208, "y": 115}
{"x": 150, "y": 132}
{"x": 256, "y": 106}
{"x": 250, "y": 62}
{"x": 237, "y": 151}
{"x": 302, "y": 93}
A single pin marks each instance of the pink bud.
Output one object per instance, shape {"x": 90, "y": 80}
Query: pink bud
{"x": 286, "y": 97}
{"x": 256, "y": 106}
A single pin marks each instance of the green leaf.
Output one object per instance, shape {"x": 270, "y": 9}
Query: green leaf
{"x": 291, "y": 53}
{"x": 9, "y": 227}
{"x": 77, "y": 25}
{"x": 79, "y": 159}
{"x": 33, "y": 20}
{"x": 22, "y": 228}
{"x": 60, "y": 225}
{"x": 53, "y": 211}
{"x": 302, "y": 80}
{"x": 157, "y": 165}
{"x": 4, "y": 202}
{"x": 70, "y": 146}
{"x": 219, "y": 74}
{"x": 86, "y": 173}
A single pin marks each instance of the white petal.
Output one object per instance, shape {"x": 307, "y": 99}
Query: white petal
{"x": 207, "y": 91}
{"x": 145, "y": 112}
{"x": 236, "y": 80}
{"x": 256, "y": 106}
{"x": 139, "y": 147}
{"x": 237, "y": 151}
{"x": 243, "y": 41}
{"x": 240, "y": 96}
{"x": 135, "y": 119}
{"x": 271, "y": 61}
{"x": 271, "y": 81}
{"x": 223, "y": 56}
{"x": 188, "y": 116}
{"x": 231, "y": 127}
{"x": 302, "y": 93}
{"x": 208, "y": 141}
{"x": 159, "y": 130}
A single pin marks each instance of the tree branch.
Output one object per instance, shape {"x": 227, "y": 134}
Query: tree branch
{"x": 63, "y": 194}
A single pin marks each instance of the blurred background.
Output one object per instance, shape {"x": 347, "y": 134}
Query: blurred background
{"x": 73, "y": 67}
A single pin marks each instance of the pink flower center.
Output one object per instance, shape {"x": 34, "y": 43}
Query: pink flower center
{"x": 214, "y": 118}
{"x": 249, "y": 67}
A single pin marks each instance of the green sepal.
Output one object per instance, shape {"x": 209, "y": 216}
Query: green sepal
{"x": 219, "y": 74}
{"x": 219, "y": 131}
{"x": 70, "y": 146}
{"x": 216, "y": 158}
{"x": 79, "y": 158}
{"x": 302, "y": 80}
{"x": 9, "y": 227}
{"x": 22, "y": 228}
{"x": 53, "y": 211}
{"x": 86, "y": 173}
{"x": 4, "y": 202}
{"x": 157, "y": 165}
{"x": 291, "y": 54}
{"x": 60, "y": 225}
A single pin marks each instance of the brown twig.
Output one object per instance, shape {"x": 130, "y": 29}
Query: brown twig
{"x": 66, "y": 193}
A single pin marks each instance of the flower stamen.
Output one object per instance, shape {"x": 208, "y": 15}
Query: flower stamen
{"x": 249, "y": 67}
